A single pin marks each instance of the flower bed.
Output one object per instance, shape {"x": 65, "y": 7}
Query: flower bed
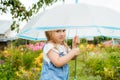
{"x": 94, "y": 63}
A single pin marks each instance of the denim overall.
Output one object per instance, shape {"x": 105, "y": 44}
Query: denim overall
{"x": 51, "y": 72}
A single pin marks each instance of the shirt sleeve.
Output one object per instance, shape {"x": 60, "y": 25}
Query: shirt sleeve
{"x": 46, "y": 49}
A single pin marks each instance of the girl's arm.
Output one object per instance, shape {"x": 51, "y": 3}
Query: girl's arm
{"x": 61, "y": 61}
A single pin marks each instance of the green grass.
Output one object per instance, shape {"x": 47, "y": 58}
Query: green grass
{"x": 81, "y": 73}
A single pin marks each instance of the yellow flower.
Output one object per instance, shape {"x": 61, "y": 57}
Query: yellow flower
{"x": 22, "y": 70}
{"x": 5, "y": 52}
{"x": 81, "y": 46}
{"x": 40, "y": 64}
{"x": 40, "y": 56}
{"x": 37, "y": 69}
{"x": 90, "y": 46}
{"x": 17, "y": 74}
{"x": 39, "y": 59}
{"x": 100, "y": 45}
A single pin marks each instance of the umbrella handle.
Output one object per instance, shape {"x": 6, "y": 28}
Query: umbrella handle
{"x": 75, "y": 69}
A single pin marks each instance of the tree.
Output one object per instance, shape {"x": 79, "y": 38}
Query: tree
{"x": 19, "y": 12}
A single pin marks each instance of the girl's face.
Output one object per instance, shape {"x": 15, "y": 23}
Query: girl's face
{"x": 59, "y": 35}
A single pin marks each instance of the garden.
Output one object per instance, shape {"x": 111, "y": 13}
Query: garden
{"x": 24, "y": 62}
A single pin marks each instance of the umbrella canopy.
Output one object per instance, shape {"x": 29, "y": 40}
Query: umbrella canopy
{"x": 89, "y": 20}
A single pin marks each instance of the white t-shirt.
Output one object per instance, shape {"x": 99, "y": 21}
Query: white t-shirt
{"x": 49, "y": 46}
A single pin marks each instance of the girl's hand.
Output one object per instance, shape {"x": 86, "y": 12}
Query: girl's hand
{"x": 76, "y": 51}
{"x": 75, "y": 41}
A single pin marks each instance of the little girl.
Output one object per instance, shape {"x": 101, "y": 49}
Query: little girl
{"x": 56, "y": 55}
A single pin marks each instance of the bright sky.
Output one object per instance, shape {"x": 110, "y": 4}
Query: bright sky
{"x": 27, "y": 3}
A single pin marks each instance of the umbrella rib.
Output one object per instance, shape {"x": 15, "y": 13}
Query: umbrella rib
{"x": 37, "y": 35}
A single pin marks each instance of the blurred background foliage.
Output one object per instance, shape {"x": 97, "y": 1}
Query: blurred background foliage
{"x": 22, "y": 60}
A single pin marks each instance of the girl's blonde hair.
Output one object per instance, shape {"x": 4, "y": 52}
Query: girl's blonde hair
{"x": 50, "y": 37}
